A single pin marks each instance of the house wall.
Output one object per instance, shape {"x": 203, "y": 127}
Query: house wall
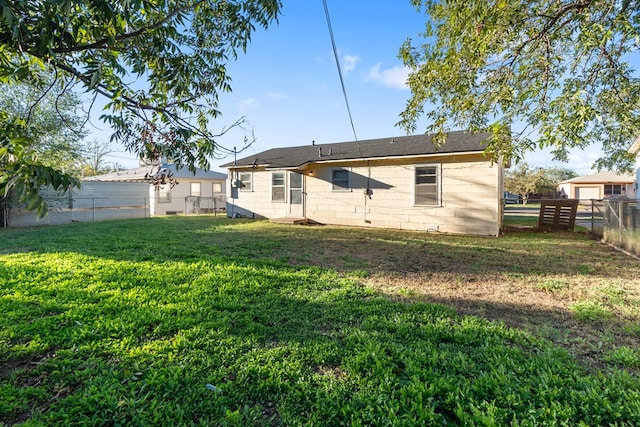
{"x": 471, "y": 190}
{"x": 587, "y": 191}
{"x": 178, "y": 202}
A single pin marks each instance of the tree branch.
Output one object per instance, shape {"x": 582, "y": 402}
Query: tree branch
{"x": 552, "y": 20}
{"x": 100, "y": 44}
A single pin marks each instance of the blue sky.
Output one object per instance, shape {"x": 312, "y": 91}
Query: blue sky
{"x": 287, "y": 87}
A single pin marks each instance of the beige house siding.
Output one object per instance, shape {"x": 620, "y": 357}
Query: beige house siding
{"x": 592, "y": 186}
{"x": 470, "y": 190}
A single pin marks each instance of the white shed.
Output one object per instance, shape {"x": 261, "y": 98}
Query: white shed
{"x": 199, "y": 192}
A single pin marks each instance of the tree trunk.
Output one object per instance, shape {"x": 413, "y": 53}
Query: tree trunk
{"x": 4, "y": 213}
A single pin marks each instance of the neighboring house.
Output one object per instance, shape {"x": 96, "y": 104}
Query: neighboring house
{"x": 199, "y": 192}
{"x": 601, "y": 185}
{"x": 635, "y": 149}
{"x": 402, "y": 182}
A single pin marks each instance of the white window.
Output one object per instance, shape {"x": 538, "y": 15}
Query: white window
{"x": 163, "y": 193}
{"x": 278, "y": 187}
{"x": 195, "y": 189}
{"x": 340, "y": 180}
{"x": 295, "y": 188}
{"x": 427, "y": 185}
{"x": 245, "y": 179}
{"x": 217, "y": 188}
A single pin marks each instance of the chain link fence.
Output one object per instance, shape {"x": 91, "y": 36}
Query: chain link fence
{"x": 621, "y": 224}
{"x": 198, "y": 205}
{"x": 64, "y": 210}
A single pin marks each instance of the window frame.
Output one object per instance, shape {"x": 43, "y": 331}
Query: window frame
{"x": 193, "y": 193}
{"x": 281, "y": 188}
{"x": 297, "y": 189}
{"x": 163, "y": 193}
{"x": 337, "y": 188}
{"x": 437, "y": 184}
{"x": 216, "y": 188}
{"x": 612, "y": 188}
{"x": 244, "y": 186}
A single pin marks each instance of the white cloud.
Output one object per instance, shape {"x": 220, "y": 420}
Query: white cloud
{"x": 350, "y": 62}
{"x": 276, "y": 96}
{"x": 395, "y": 77}
{"x": 247, "y": 104}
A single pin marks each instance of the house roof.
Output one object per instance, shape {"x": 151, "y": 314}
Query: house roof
{"x": 138, "y": 174}
{"x": 601, "y": 178}
{"x": 403, "y": 146}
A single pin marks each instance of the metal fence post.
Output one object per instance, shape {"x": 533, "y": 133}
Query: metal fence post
{"x": 620, "y": 226}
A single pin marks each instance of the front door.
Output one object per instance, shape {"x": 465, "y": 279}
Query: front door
{"x": 296, "y": 196}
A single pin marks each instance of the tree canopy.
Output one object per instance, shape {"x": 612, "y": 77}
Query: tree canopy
{"x": 54, "y": 122}
{"x": 41, "y": 132}
{"x": 94, "y": 160}
{"x": 523, "y": 181}
{"x": 563, "y": 70}
{"x": 161, "y": 64}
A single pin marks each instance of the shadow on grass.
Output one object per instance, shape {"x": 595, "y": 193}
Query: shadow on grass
{"x": 140, "y": 323}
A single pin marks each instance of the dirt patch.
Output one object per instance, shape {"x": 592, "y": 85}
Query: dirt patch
{"x": 543, "y": 283}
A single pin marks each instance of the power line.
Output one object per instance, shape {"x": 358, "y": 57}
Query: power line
{"x": 335, "y": 54}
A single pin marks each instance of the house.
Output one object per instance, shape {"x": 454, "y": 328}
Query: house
{"x": 599, "y": 186}
{"x": 199, "y": 192}
{"x": 635, "y": 150}
{"x": 402, "y": 182}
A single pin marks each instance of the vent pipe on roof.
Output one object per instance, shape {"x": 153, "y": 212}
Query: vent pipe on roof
{"x": 319, "y": 151}
{"x": 330, "y": 151}
{"x": 313, "y": 142}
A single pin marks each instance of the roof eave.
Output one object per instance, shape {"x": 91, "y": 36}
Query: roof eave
{"x": 269, "y": 166}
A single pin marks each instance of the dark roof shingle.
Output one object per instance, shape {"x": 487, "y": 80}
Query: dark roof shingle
{"x": 414, "y": 145}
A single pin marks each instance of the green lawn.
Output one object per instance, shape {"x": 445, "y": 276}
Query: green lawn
{"x": 201, "y": 320}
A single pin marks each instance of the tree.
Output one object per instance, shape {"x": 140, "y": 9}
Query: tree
{"x": 53, "y": 119}
{"x": 523, "y": 181}
{"x": 41, "y": 132}
{"x": 21, "y": 172}
{"x": 160, "y": 64}
{"x": 548, "y": 184}
{"x": 94, "y": 158}
{"x": 561, "y": 68}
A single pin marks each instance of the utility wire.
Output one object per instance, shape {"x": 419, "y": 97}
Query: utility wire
{"x": 335, "y": 54}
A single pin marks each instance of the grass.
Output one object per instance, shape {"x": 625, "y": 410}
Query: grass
{"x": 203, "y": 320}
